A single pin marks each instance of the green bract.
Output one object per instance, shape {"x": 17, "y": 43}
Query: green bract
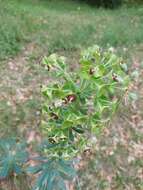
{"x": 79, "y": 104}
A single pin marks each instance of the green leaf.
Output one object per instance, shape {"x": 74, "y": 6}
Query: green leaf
{"x": 67, "y": 124}
{"x": 34, "y": 169}
{"x": 41, "y": 181}
{"x": 78, "y": 130}
{"x": 71, "y": 136}
{"x": 51, "y": 179}
{"x": 12, "y": 158}
{"x": 60, "y": 185}
{"x": 4, "y": 171}
{"x": 67, "y": 168}
{"x": 17, "y": 169}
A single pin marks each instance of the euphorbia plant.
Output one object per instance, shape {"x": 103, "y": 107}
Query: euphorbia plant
{"x": 77, "y": 105}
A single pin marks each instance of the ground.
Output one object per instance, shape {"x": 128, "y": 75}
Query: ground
{"x": 29, "y": 30}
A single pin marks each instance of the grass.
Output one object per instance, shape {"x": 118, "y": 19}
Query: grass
{"x": 66, "y": 25}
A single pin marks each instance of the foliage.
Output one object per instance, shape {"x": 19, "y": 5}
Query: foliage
{"x": 133, "y": 1}
{"x": 105, "y": 3}
{"x": 53, "y": 174}
{"x": 27, "y": 21}
{"x": 78, "y": 105}
{"x": 112, "y": 3}
{"x": 12, "y": 157}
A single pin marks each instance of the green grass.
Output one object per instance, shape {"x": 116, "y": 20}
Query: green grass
{"x": 66, "y": 25}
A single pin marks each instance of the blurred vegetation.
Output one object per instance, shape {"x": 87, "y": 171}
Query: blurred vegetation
{"x": 51, "y": 25}
{"x": 105, "y": 3}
